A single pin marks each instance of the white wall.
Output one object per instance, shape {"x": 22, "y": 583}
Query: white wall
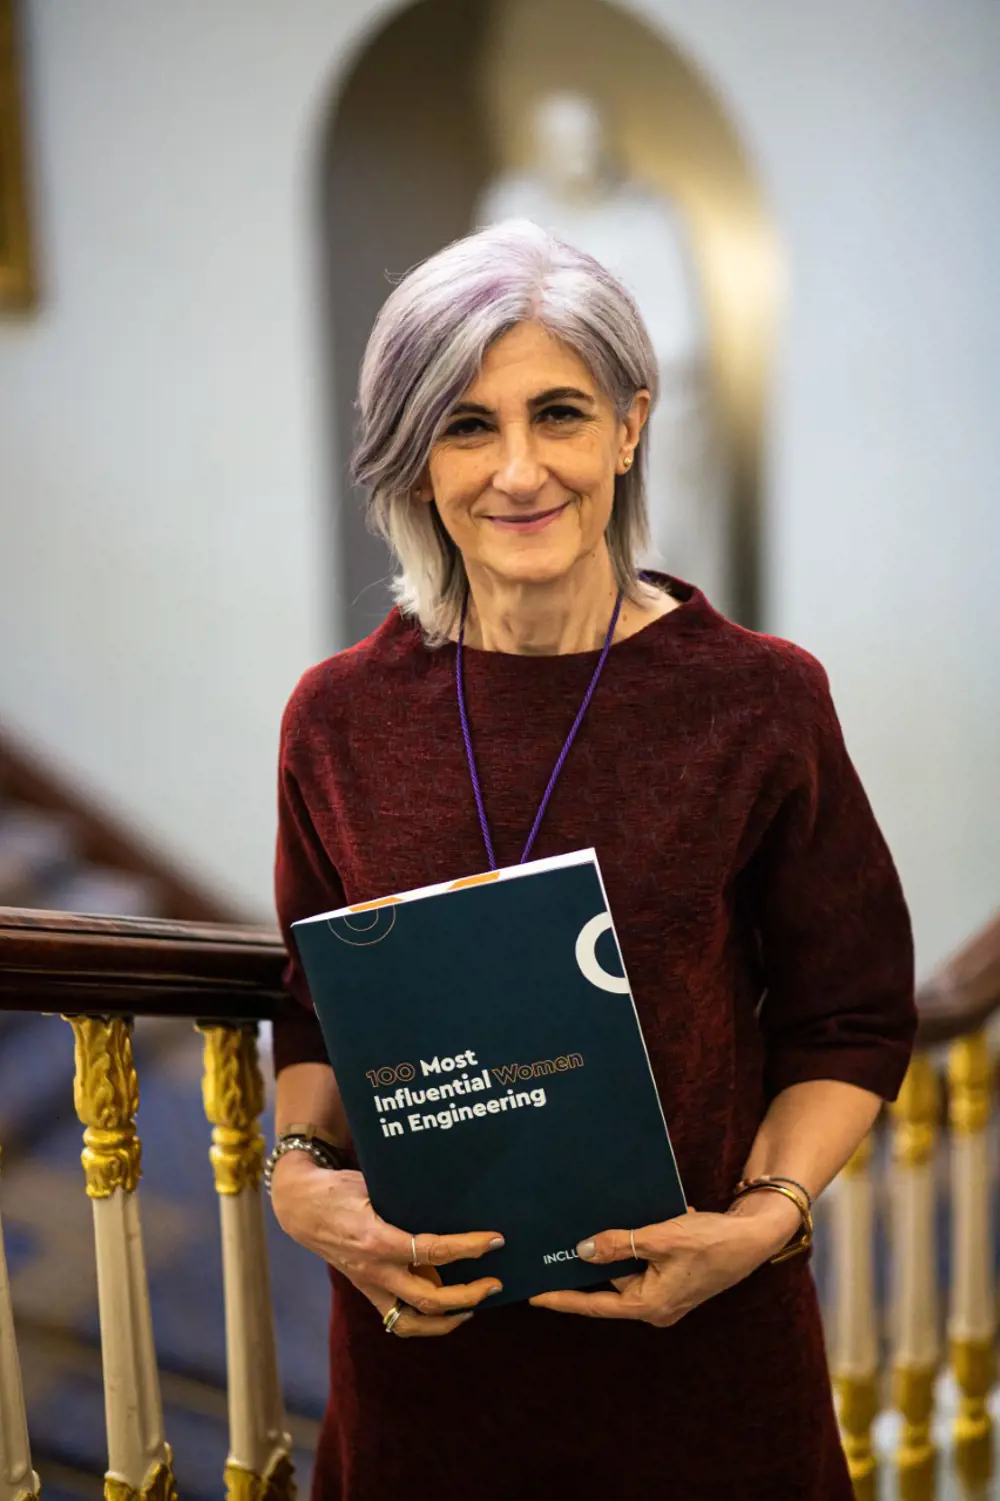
{"x": 877, "y": 130}
{"x": 161, "y": 432}
{"x": 162, "y": 450}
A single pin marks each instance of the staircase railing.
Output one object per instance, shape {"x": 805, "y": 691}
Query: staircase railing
{"x": 921, "y": 1191}
{"x": 100, "y": 973}
{"x": 933, "y": 1147}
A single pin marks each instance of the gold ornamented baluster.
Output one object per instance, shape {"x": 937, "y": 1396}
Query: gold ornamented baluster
{"x": 18, "y": 1481}
{"x": 106, "y": 1095}
{"x": 259, "y": 1467}
{"x": 915, "y": 1115}
{"x": 972, "y": 1315}
{"x": 855, "y": 1344}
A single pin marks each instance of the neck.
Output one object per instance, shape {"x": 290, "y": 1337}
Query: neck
{"x": 569, "y": 614}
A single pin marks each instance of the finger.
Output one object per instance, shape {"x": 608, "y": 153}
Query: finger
{"x": 434, "y": 1250}
{"x": 411, "y": 1324}
{"x": 591, "y": 1305}
{"x": 439, "y": 1250}
{"x": 424, "y": 1291}
{"x": 617, "y": 1245}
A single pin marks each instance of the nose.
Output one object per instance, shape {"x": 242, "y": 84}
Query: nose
{"x": 519, "y": 474}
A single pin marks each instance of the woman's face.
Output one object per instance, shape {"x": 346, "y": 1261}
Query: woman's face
{"x": 524, "y": 472}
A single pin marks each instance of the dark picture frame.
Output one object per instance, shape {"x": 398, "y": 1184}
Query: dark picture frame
{"x": 18, "y": 285}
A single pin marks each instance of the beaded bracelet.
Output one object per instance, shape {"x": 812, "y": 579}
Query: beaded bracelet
{"x": 767, "y": 1184}
{"x": 323, "y": 1153}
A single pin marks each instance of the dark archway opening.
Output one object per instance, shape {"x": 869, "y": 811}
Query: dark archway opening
{"x": 404, "y": 156}
{"x": 431, "y": 110}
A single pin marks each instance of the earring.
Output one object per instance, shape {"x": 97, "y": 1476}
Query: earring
{"x": 627, "y": 461}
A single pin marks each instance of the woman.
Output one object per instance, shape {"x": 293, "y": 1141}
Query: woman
{"x": 502, "y": 403}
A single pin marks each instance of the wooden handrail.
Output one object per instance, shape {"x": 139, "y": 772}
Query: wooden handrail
{"x": 54, "y": 961}
{"x": 965, "y": 992}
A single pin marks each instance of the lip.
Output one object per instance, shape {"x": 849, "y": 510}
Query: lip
{"x": 535, "y": 522}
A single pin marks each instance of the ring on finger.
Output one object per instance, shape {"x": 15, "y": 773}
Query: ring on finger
{"x": 413, "y": 1248}
{"x": 392, "y": 1316}
{"x": 631, "y": 1241}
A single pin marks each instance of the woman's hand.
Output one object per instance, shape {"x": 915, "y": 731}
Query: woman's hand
{"x": 690, "y": 1259}
{"x": 330, "y": 1214}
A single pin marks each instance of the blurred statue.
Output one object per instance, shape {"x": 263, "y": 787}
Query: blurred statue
{"x": 573, "y": 190}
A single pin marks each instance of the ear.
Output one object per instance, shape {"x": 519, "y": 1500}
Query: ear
{"x": 633, "y": 423}
{"x": 423, "y": 490}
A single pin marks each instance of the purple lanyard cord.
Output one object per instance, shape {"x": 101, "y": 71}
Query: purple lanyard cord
{"x": 553, "y": 779}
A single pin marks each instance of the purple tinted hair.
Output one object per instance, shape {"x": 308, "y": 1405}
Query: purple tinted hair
{"x": 427, "y": 347}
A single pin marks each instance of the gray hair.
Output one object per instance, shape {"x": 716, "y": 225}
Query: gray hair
{"x": 426, "y": 348}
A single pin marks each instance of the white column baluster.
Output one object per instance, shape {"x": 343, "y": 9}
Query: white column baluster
{"x": 972, "y": 1313}
{"x": 855, "y": 1343}
{"x": 915, "y": 1312}
{"x": 18, "y": 1481}
{"x": 259, "y": 1464}
{"x": 106, "y": 1094}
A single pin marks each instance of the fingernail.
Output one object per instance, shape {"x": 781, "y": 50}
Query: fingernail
{"x": 465, "y": 1317}
{"x": 586, "y": 1250}
{"x": 497, "y": 1242}
{"x": 494, "y": 1290}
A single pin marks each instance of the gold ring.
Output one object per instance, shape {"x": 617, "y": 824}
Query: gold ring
{"x": 413, "y": 1248}
{"x": 391, "y": 1318}
{"x": 631, "y": 1241}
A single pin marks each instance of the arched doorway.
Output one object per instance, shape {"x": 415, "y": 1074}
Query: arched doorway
{"x": 433, "y": 108}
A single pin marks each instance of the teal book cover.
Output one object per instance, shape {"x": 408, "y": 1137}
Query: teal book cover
{"x": 493, "y": 1069}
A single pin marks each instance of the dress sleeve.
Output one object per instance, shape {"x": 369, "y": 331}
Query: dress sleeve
{"x": 305, "y": 882}
{"x": 833, "y": 927}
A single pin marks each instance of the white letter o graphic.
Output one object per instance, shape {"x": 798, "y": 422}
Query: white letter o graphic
{"x": 586, "y": 956}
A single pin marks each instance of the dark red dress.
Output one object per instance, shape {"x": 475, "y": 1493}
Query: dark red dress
{"x": 741, "y": 860}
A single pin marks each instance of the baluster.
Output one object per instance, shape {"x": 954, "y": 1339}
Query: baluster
{"x": 855, "y": 1342}
{"x": 916, "y": 1114}
{"x": 106, "y": 1095}
{"x": 18, "y": 1481}
{"x": 972, "y": 1316}
{"x": 259, "y": 1464}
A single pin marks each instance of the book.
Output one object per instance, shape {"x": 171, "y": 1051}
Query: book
{"x": 493, "y": 1070}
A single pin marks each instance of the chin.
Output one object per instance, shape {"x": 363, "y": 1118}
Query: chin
{"x": 544, "y": 568}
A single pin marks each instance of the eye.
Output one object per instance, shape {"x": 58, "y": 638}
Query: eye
{"x": 465, "y": 427}
{"x": 561, "y": 413}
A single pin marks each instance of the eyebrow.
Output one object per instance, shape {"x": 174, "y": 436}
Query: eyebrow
{"x": 555, "y": 393}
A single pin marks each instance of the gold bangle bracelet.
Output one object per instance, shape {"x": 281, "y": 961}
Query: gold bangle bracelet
{"x": 778, "y": 1178}
{"x": 805, "y": 1237}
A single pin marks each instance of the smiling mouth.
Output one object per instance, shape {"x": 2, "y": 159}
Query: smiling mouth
{"x": 530, "y": 521}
